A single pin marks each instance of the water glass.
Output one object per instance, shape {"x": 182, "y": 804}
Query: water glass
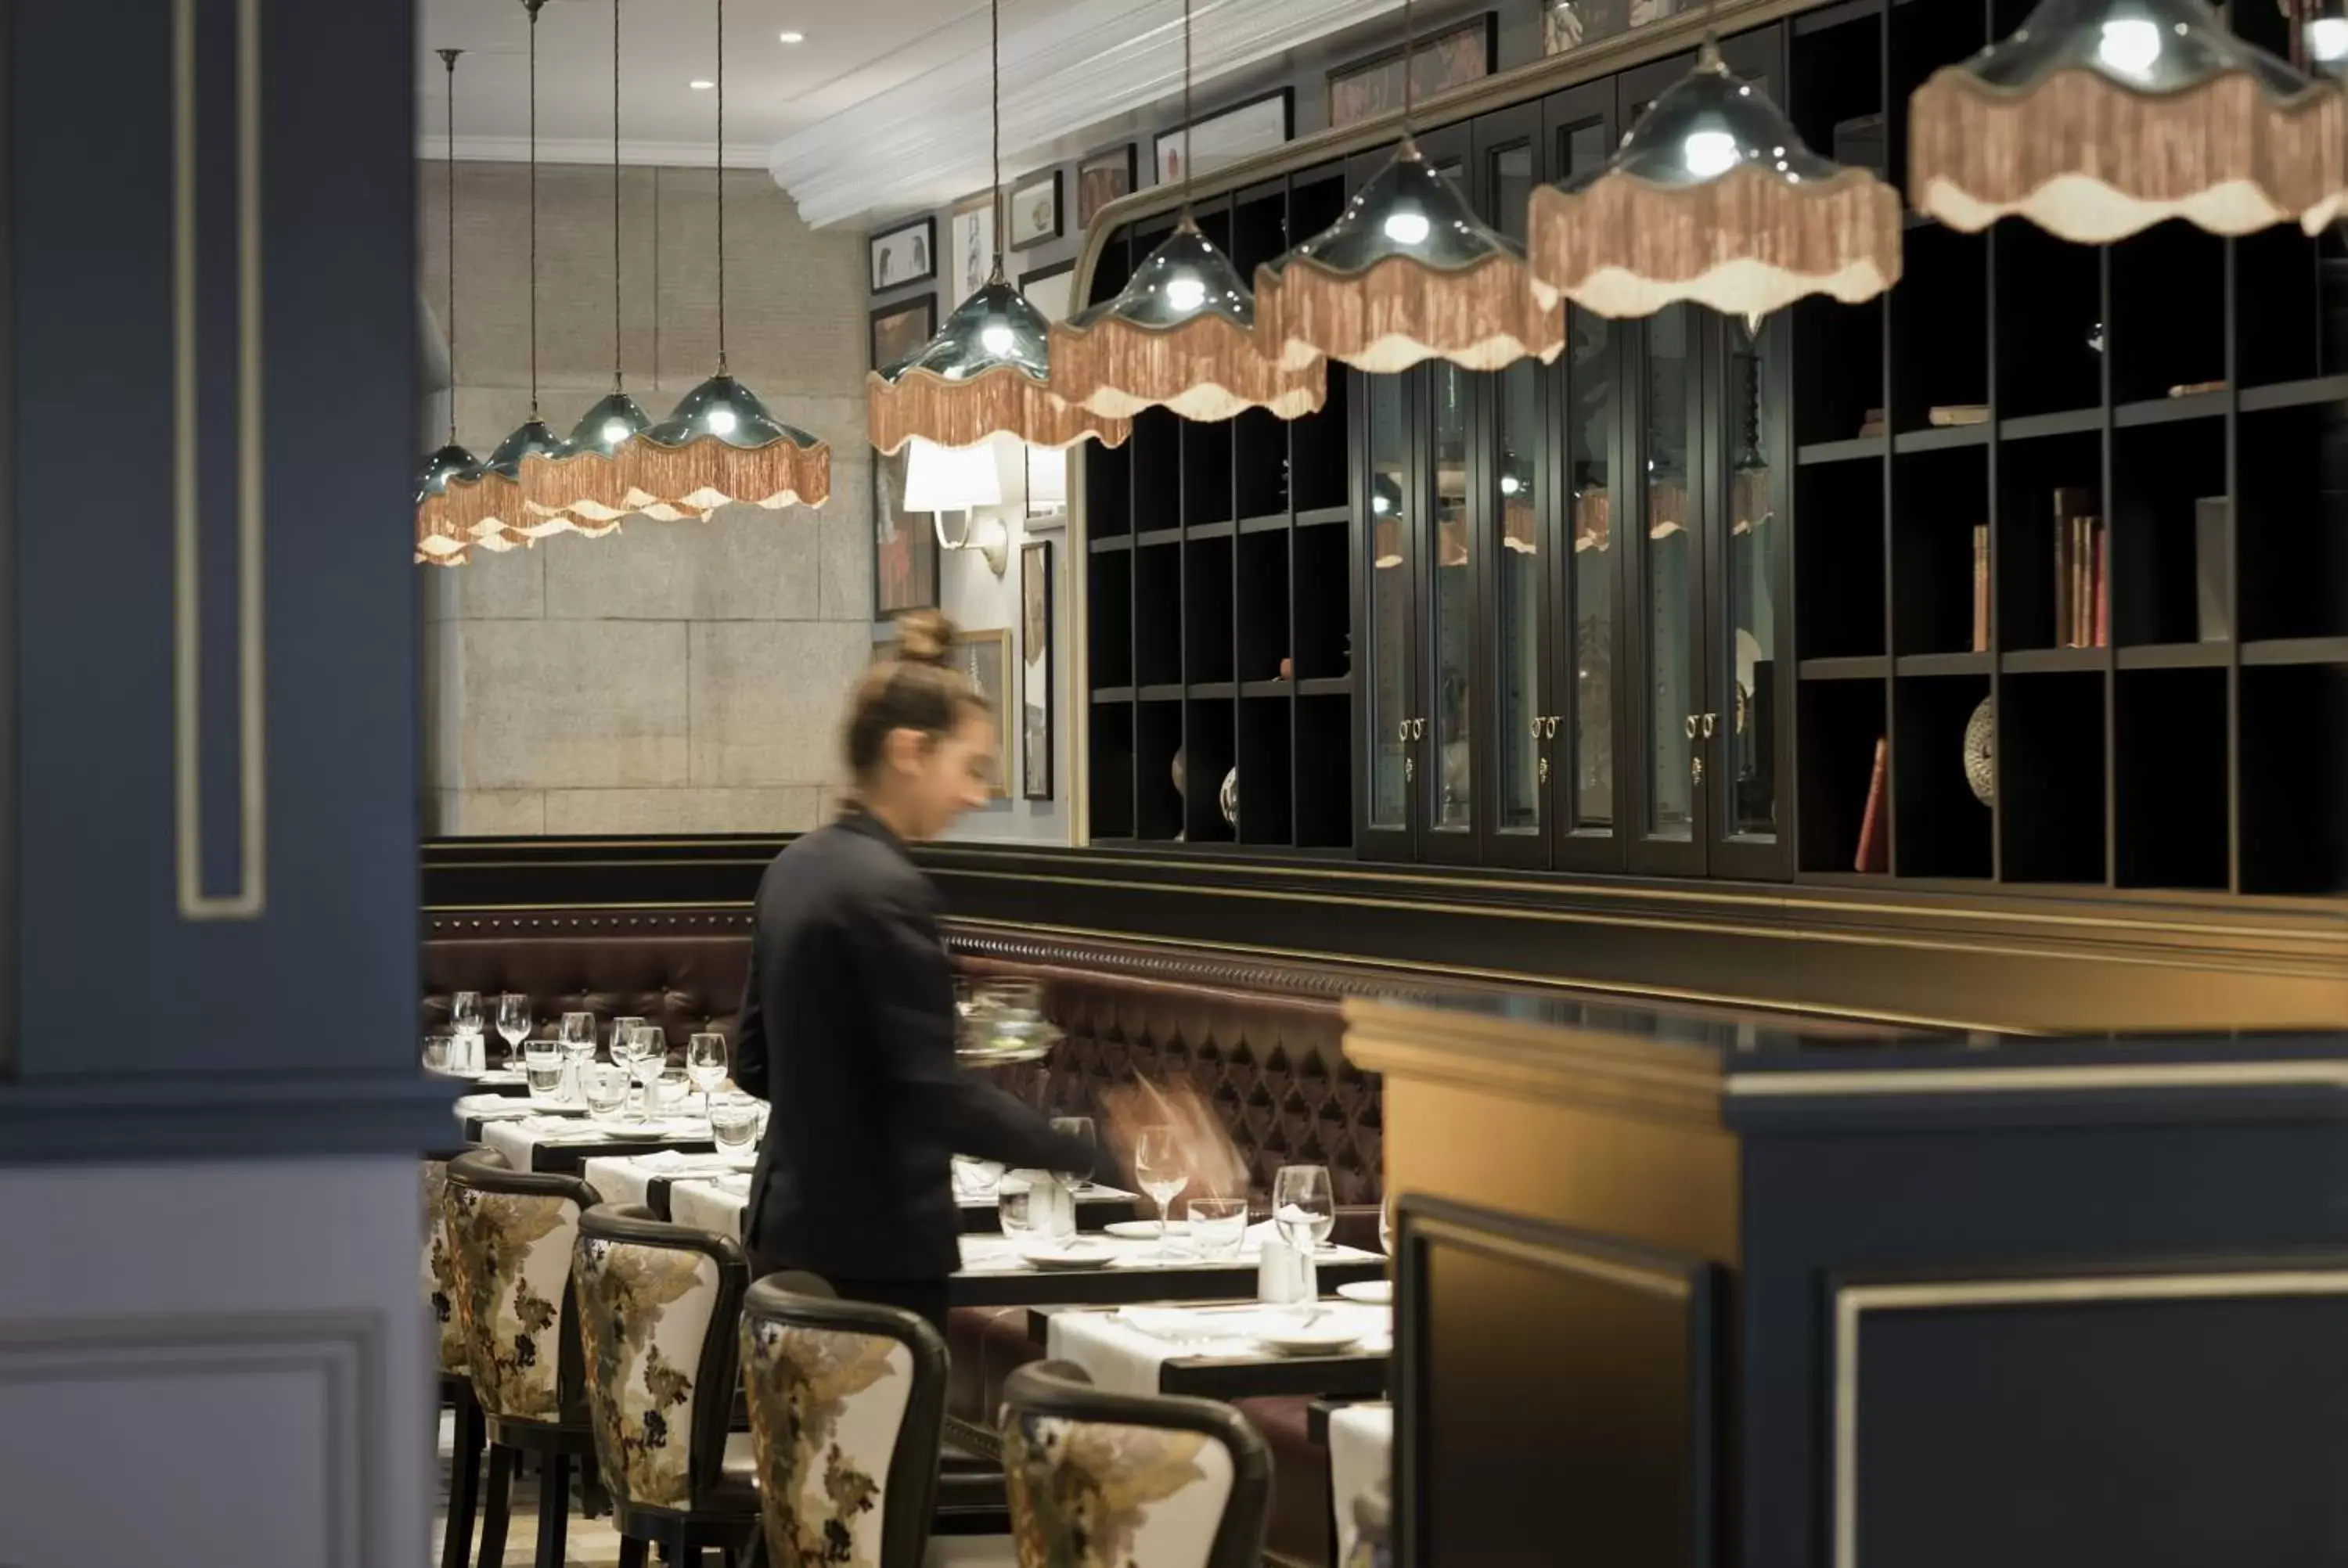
{"x": 1218, "y": 1225}
{"x": 1014, "y": 1209}
{"x": 513, "y": 1021}
{"x": 544, "y": 1075}
{"x": 1051, "y": 1212}
{"x": 734, "y": 1125}
{"x": 465, "y": 1017}
{"x": 605, "y": 1088}
{"x": 576, "y": 1034}
{"x": 1304, "y": 1208}
{"x": 704, "y": 1062}
{"x": 670, "y": 1086}
{"x": 437, "y": 1049}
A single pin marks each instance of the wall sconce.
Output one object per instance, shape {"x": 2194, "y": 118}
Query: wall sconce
{"x": 942, "y": 479}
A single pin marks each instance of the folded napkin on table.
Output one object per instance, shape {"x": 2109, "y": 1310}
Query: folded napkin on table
{"x": 493, "y": 1108}
{"x": 975, "y": 1178}
{"x": 678, "y": 1160}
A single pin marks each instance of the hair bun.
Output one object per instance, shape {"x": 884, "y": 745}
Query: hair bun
{"x": 925, "y": 636}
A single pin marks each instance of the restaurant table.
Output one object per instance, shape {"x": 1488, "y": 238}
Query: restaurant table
{"x": 994, "y": 1275}
{"x": 645, "y": 1179}
{"x": 1213, "y": 1352}
{"x": 1361, "y": 1459}
{"x": 563, "y": 1142}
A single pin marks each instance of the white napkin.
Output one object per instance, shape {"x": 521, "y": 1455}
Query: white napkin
{"x": 666, "y": 1160}
{"x": 492, "y": 1108}
{"x": 975, "y": 1178}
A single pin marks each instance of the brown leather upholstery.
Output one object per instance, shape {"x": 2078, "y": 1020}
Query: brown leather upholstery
{"x": 687, "y": 984}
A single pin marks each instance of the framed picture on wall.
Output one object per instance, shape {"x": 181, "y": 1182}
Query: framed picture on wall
{"x": 1450, "y": 58}
{"x": 1228, "y": 135}
{"x": 986, "y": 658}
{"x": 1036, "y": 214}
{"x": 905, "y": 546}
{"x": 905, "y": 255}
{"x": 1051, "y": 291}
{"x": 1101, "y": 178}
{"x": 1035, "y": 669}
{"x": 974, "y": 246}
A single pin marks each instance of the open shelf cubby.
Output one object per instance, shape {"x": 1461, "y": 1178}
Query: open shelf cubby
{"x": 2165, "y": 683}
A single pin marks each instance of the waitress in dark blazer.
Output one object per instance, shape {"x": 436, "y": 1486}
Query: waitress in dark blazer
{"x": 847, "y": 1020}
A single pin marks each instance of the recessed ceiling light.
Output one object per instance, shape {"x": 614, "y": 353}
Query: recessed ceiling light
{"x": 701, "y": 84}
{"x": 793, "y": 38}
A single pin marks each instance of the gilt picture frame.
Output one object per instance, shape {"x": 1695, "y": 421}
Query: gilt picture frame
{"x": 1035, "y": 669}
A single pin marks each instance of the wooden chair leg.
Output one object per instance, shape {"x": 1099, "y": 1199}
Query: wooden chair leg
{"x": 634, "y": 1550}
{"x": 464, "y": 1484}
{"x": 553, "y": 1510}
{"x": 497, "y": 1511}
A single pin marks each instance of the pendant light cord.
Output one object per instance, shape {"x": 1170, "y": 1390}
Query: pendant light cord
{"x": 994, "y": 48}
{"x": 618, "y": 359}
{"x": 1409, "y": 75}
{"x": 721, "y": 186}
{"x": 448, "y": 58}
{"x": 1188, "y": 173}
{"x": 533, "y": 6}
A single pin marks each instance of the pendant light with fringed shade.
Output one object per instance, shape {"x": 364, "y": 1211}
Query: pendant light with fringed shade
{"x": 1181, "y": 335}
{"x": 1713, "y": 198}
{"x": 987, "y": 373}
{"x": 2100, "y": 118}
{"x": 1408, "y": 272}
{"x": 454, "y": 461}
{"x": 720, "y": 446}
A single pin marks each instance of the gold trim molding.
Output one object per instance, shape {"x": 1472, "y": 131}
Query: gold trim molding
{"x": 187, "y": 619}
{"x": 1851, "y": 1303}
{"x": 1512, "y": 1057}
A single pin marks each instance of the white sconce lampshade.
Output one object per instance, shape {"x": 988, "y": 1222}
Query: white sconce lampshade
{"x": 951, "y": 479}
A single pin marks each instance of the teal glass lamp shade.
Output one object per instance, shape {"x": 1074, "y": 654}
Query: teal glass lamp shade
{"x": 451, "y": 462}
{"x": 985, "y": 373}
{"x": 1713, "y": 198}
{"x": 720, "y": 446}
{"x": 533, "y": 437}
{"x": 589, "y": 484}
{"x": 1181, "y": 335}
{"x": 611, "y": 423}
{"x": 2097, "y": 118}
{"x": 1408, "y": 272}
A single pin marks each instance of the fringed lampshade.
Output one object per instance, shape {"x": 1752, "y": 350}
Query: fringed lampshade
{"x": 986, "y": 374}
{"x": 1406, "y": 273}
{"x": 721, "y": 445}
{"x": 1714, "y": 198}
{"x": 595, "y": 485}
{"x": 1181, "y": 335}
{"x": 2100, "y": 118}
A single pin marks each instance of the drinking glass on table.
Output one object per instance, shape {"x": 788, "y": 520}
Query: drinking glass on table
{"x": 543, "y": 1073}
{"x": 647, "y": 1055}
{"x": 1304, "y": 1207}
{"x": 605, "y": 1088}
{"x": 1218, "y": 1225}
{"x": 1082, "y": 1130}
{"x": 1158, "y": 1166}
{"x": 704, "y": 1062}
{"x": 513, "y": 1021}
{"x": 435, "y": 1052}
{"x": 734, "y": 1125}
{"x": 576, "y": 1035}
{"x": 670, "y": 1085}
{"x": 1015, "y": 1210}
{"x": 465, "y": 1018}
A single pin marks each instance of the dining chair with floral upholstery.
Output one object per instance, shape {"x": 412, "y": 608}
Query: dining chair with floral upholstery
{"x": 511, "y": 1234}
{"x": 1122, "y": 1480}
{"x": 658, "y": 1305}
{"x": 847, "y": 1403}
{"x": 456, "y": 1366}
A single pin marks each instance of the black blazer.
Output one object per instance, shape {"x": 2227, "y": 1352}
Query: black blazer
{"x": 848, "y": 1031}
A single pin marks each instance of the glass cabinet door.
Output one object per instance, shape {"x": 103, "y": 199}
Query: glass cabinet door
{"x": 1449, "y": 802}
{"x": 1673, "y": 782}
{"x": 1752, "y": 545}
{"x": 1516, "y": 535}
{"x": 1391, "y": 572}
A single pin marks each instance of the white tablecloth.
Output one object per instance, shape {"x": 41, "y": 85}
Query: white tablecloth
{"x": 1360, "y": 1459}
{"x": 517, "y": 1139}
{"x": 628, "y": 1178}
{"x": 996, "y": 1255}
{"x": 1125, "y": 1350}
{"x": 492, "y": 1108}
{"x": 717, "y": 1204}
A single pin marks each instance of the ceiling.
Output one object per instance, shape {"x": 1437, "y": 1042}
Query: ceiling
{"x": 884, "y": 107}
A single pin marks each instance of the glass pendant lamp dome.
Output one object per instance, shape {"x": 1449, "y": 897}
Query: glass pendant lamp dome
{"x": 987, "y": 372}
{"x": 2101, "y": 117}
{"x": 719, "y": 445}
{"x": 1408, "y": 272}
{"x": 1713, "y": 198}
{"x": 1181, "y": 335}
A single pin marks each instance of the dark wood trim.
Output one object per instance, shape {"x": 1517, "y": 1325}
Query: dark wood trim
{"x": 8, "y": 571}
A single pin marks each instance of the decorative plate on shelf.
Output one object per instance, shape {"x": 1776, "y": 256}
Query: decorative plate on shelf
{"x": 1980, "y": 742}
{"x": 1228, "y": 798}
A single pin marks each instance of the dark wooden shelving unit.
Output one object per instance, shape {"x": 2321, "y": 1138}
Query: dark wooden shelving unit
{"x": 2189, "y": 736}
{"x": 1218, "y": 551}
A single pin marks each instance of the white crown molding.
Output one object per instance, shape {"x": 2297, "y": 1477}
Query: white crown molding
{"x": 516, "y": 149}
{"x": 925, "y": 143}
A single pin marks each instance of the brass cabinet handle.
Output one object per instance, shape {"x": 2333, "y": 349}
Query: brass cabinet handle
{"x": 1553, "y": 726}
{"x": 1709, "y": 720}
{"x": 1544, "y": 770}
{"x": 1418, "y": 729}
{"x": 1690, "y": 726}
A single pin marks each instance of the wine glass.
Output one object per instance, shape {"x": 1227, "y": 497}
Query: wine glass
{"x": 1158, "y": 1166}
{"x": 705, "y": 1063}
{"x": 1082, "y": 1130}
{"x": 1304, "y": 1207}
{"x": 513, "y": 1021}
{"x": 465, "y": 1018}
{"x": 576, "y": 1033}
{"x": 647, "y": 1055}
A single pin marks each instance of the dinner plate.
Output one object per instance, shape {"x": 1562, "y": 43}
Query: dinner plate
{"x": 1075, "y": 1255}
{"x": 1318, "y": 1339}
{"x": 1373, "y": 1292}
{"x": 1145, "y": 1230}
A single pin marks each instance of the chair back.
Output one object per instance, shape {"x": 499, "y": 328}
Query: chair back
{"x": 440, "y": 1268}
{"x": 657, "y": 1306}
{"x": 510, "y": 1233}
{"x": 1099, "y": 1479}
{"x": 847, "y": 1407}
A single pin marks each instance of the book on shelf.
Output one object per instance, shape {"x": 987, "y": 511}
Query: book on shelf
{"x": 1874, "y": 844}
{"x": 2100, "y": 602}
{"x": 2078, "y": 554}
{"x": 1981, "y": 587}
{"x": 2212, "y": 570}
{"x": 1947, "y": 416}
{"x": 1874, "y": 424}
